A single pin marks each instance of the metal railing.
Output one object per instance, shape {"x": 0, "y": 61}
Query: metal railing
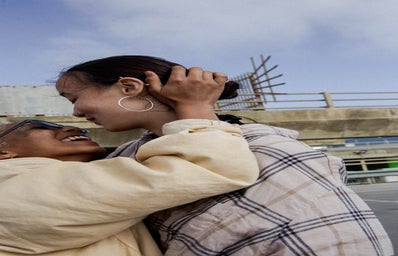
{"x": 258, "y": 92}
{"x": 371, "y": 163}
{"x": 373, "y": 176}
{"x": 372, "y": 173}
{"x": 321, "y": 100}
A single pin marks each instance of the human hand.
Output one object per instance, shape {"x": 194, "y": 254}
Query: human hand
{"x": 191, "y": 95}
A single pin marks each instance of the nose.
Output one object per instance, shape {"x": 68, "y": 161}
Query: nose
{"x": 77, "y": 112}
{"x": 74, "y": 129}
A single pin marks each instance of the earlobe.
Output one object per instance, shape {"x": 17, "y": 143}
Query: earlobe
{"x": 130, "y": 86}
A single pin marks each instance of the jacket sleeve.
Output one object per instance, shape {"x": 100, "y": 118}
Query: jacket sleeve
{"x": 48, "y": 205}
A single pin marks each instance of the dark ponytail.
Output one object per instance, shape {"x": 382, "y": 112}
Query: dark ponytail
{"x": 230, "y": 90}
{"x": 230, "y": 118}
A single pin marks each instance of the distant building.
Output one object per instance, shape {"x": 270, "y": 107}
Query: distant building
{"x": 42, "y": 100}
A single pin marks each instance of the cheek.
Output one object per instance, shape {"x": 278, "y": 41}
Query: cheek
{"x": 86, "y": 105}
{"x": 79, "y": 106}
{"x": 107, "y": 106}
{"x": 32, "y": 147}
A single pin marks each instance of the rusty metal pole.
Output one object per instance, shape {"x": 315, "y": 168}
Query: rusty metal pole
{"x": 258, "y": 101}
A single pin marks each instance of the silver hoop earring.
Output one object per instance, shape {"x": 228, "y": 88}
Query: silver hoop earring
{"x": 151, "y": 105}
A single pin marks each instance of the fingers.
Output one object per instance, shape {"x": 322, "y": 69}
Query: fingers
{"x": 155, "y": 85}
{"x": 199, "y": 74}
{"x": 207, "y": 75}
{"x": 220, "y": 78}
{"x": 195, "y": 86}
{"x": 178, "y": 73}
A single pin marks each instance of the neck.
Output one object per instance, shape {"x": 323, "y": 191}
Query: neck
{"x": 158, "y": 119}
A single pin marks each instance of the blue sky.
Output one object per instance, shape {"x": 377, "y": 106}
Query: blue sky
{"x": 328, "y": 45}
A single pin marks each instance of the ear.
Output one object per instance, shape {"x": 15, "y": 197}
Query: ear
{"x": 130, "y": 86}
{"x": 5, "y": 154}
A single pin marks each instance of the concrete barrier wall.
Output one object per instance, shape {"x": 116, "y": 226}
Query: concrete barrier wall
{"x": 316, "y": 127}
{"x": 33, "y": 101}
{"x": 322, "y": 126}
{"x": 333, "y": 123}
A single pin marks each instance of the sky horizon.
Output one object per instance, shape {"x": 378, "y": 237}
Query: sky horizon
{"x": 334, "y": 46}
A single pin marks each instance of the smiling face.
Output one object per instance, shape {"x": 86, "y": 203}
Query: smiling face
{"x": 39, "y": 140}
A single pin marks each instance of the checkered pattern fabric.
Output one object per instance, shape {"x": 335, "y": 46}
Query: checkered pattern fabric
{"x": 299, "y": 205}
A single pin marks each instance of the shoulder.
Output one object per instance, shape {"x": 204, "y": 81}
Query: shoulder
{"x": 32, "y": 162}
{"x": 129, "y": 149}
{"x": 265, "y": 130}
{"x": 10, "y": 168}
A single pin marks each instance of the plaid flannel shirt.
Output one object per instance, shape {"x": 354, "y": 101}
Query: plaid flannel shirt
{"x": 299, "y": 205}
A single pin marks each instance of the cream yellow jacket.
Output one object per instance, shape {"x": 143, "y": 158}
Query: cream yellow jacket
{"x": 50, "y": 207}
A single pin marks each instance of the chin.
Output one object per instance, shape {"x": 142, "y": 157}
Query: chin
{"x": 113, "y": 129}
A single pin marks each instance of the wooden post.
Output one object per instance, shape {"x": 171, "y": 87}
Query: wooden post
{"x": 328, "y": 100}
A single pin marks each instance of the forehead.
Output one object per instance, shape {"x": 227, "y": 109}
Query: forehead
{"x": 72, "y": 84}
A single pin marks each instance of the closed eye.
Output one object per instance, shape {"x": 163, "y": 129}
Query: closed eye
{"x": 41, "y": 127}
{"x": 65, "y": 95}
{"x": 71, "y": 100}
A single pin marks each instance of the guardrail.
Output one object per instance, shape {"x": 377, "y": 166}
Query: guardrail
{"x": 372, "y": 173}
{"x": 258, "y": 92}
{"x": 371, "y": 176}
{"x": 307, "y": 100}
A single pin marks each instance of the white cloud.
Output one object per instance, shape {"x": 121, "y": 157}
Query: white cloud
{"x": 224, "y": 34}
{"x": 211, "y": 24}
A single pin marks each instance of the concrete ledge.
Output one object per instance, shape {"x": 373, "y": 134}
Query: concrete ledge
{"x": 332, "y": 123}
{"x": 316, "y": 127}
